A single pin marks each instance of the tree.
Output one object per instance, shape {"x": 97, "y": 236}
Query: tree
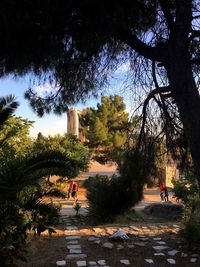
{"x": 21, "y": 200}
{"x": 106, "y": 128}
{"x": 14, "y": 138}
{"x": 85, "y": 40}
{"x": 21, "y": 189}
{"x": 68, "y": 145}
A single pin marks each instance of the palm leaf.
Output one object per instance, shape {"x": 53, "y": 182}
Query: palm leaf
{"x": 8, "y": 106}
{"x": 45, "y": 161}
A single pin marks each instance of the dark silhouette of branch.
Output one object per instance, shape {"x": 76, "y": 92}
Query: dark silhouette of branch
{"x": 159, "y": 90}
{"x": 153, "y": 53}
{"x": 165, "y": 5}
{"x": 194, "y": 34}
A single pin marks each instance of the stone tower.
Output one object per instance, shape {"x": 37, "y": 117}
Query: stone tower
{"x": 73, "y": 122}
{"x": 73, "y": 125}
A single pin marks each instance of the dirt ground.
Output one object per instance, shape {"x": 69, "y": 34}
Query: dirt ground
{"x": 45, "y": 251}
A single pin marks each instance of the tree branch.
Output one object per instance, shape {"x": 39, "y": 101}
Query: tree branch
{"x": 195, "y": 61}
{"x": 165, "y": 5}
{"x": 159, "y": 90}
{"x": 195, "y": 33}
{"x": 196, "y": 17}
{"x": 152, "y": 53}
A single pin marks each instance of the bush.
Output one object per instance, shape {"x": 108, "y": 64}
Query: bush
{"x": 45, "y": 217}
{"x": 191, "y": 232}
{"x": 77, "y": 207}
{"x": 185, "y": 189}
{"x": 26, "y": 212}
{"x": 108, "y": 197}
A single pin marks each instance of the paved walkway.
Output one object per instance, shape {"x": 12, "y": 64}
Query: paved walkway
{"x": 150, "y": 196}
{"x": 142, "y": 244}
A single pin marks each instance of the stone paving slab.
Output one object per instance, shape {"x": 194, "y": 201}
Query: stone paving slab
{"x": 159, "y": 254}
{"x": 149, "y": 261}
{"x": 171, "y": 261}
{"x": 73, "y": 242}
{"x": 74, "y": 246}
{"x": 76, "y": 256}
{"x": 172, "y": 252}
{"x": 72, "y": 237}
{"x": 160, "y": 247}
{"x": 81, "y": 263}
{"x": 75, "y": 251}
{"x": 93, "y": 238}
{"x": 61, "y": 263}
{"x": 108, "y": 245}
{"x": 92, "y": 263}
{"x": 125, "y": 262}
{"x": 193, "y": 260}
{"x": 101, "y": 262}
{"x": 71, "y": 228}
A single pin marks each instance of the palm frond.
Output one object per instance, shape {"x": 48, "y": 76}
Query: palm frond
{"x": 8, "y": 106}
{"x": 54, "y": 192}
{"x": 49, "y": 160}
{"x": 11, "y": 133}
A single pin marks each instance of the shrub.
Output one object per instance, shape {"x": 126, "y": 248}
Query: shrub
{"x": 45, "y": 217}
{"x": 191, "y": 232}
{"x": 108, "y": 197}
{"x": 185, "y": 189}
{"x": 77, "y": 207}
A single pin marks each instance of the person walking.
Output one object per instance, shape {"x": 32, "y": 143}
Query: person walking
{"x": 69, "y": 192}
{"x": 161, "y": 191}
{"x": 166, "y": 195}
{"x": 74, "y": 192}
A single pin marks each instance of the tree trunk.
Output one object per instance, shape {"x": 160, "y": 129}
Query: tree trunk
{"x": 181, "y": 80}
{"x": 187, "y": 98}
{"x": 188, "y": 102}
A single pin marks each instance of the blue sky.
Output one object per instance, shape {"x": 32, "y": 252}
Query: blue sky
{"x": 52, "y": 124}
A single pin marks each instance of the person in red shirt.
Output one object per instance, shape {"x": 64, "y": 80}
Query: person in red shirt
{"x": 69, "y": 189}
{"x": 161, "y": 191}
{"x": 74, "y": 191}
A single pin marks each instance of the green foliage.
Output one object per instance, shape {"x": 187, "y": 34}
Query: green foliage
{"x": 70, "y": 146}
{"x": 8, "y": 105}
{"x": 98, "y": 133}
{"x": 21, "y": 200}
{"x": 191, "y": 231}
{"x": 15, "y": 139}
{"x": 22, "y": 192}
{"x": 77, "y": 207}
{"x": 187, "y": 191}
{"x": 108, "y": 197}
{"x": 186, "y": 188}
{"x": 106, "y": 128}
{"x": 44, "y": 217}
{"x": 136, "y": 168}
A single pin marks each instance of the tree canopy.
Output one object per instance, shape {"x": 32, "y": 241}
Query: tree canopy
{"x": 106, "y": 128}
{"x": 76, "y": 44}
{"x": 14, "y": 138}
{"x": 68, "y": 145}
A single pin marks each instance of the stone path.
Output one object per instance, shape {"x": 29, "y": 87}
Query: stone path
{"x": 80, "y": 239}
{"x": 137, "y": 237}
